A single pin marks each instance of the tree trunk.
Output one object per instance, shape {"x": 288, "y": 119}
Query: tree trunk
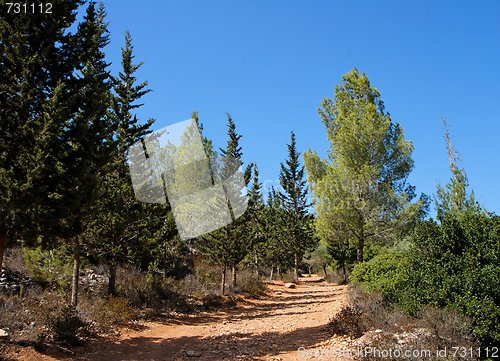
{"x": 279, "y": 271}
{"x": 296, "y": 268}
{"x": 233, "y": 277}
{"x": 76, "y": 274}
{"x": 345, "y": 273}
{"x": 3, "y": 241}
{"x": 361, "y": 246}
{"x": 256, "y": 257}
{"x": 324, "y": 271}
{"x": 271, "y": 275}
{"x": 223, "y": 281}
{"x": 112, "y": 278}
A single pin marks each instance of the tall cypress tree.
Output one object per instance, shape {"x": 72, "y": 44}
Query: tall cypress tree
{"x": 37, "y": 62}
{"x": 294, "y": 200}
{"x": 254, "y": 223}
{"x": 117, "y": 203}
{"x": 275, "y": 249}
{"x": 89, "y": 141}
{"x": 226, "y": 246}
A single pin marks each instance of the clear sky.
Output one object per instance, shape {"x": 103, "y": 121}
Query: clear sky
{"x": 270, "y": 62}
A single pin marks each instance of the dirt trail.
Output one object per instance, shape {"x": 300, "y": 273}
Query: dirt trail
{"x": 273, "y": 328}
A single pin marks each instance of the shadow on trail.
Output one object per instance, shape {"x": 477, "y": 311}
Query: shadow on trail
{"x": 221, "y": 347}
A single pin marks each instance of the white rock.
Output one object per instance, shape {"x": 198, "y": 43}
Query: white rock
{"x": 191, "y": 353}
{"x": 3, "y": 334}
{"x": 290, "y": 285}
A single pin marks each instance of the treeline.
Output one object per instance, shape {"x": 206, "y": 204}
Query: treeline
{"x": 66, "y": 125}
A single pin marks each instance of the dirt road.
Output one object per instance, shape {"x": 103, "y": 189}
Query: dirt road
{"x": 273, "y": 328}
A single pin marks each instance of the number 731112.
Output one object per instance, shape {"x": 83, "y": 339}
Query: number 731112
{"x": 24, "y": 8}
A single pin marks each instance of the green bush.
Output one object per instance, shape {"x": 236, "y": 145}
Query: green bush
{"x": 48, "y": 266}
{"x": 386, "y": 272}
{"x": 456, "y": 264}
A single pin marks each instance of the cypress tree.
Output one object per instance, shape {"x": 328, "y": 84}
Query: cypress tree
{"x": 36, "y": 57}
{"x": 89, "y": 141}
{"x": 226, "y": 246}
{"x": 117, "y": 204}
{"x": 294, "y": 200}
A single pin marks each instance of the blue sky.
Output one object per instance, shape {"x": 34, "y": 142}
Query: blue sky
{"x": 269, "y": 64}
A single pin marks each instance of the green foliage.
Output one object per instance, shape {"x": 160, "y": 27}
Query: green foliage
{"x": 386, "y": 272}
{"x": 229, "y": 245}
{"x": 457, "y": 264}
{"x": 361, "y": 191}
{"x": 48, "y": 265}
{"x": 453, "y": 264}
{"x": 34, "y": 94}
{"x": 298, "y": 233}
{"x": 275, "y": 250}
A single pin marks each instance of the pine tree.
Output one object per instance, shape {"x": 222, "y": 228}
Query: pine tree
{"x": 361, "y": 192}
{"x": 294, "y": 200}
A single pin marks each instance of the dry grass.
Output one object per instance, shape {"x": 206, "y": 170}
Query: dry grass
{"x": 376, "y": 324}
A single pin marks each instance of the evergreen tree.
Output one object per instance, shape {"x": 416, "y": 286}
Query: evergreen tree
{"x": 254, "y": 232}
{"x": 226, "y": 246}
{"x": 294, "y": 201}
{"x": 362, "y": 192}
{"x": 116, "y": 237}
{"x": 36, "y": 58}
{"x": 89, "y": 141}
{"x": 275, "y": 249}
{"x": 454, "y": 198}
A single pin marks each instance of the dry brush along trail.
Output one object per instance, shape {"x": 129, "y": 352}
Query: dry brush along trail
{"x": 272, "y": 328}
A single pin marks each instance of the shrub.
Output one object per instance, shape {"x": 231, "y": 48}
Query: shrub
{"x": 26, "y": 317}
{"x": 66, "y": 325}
{"x": 347, "y": 322}
{"x": 250, "y": 285}
{"x": 106, "y": 314}
{"x": 205, "y": 281}
{"x": 52, "y": 266}
{"x": 148, "y": 290}
{"x": 386, "y": 272}
{"x": 456, "y": 264}
{"x": 393, "y": 329}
